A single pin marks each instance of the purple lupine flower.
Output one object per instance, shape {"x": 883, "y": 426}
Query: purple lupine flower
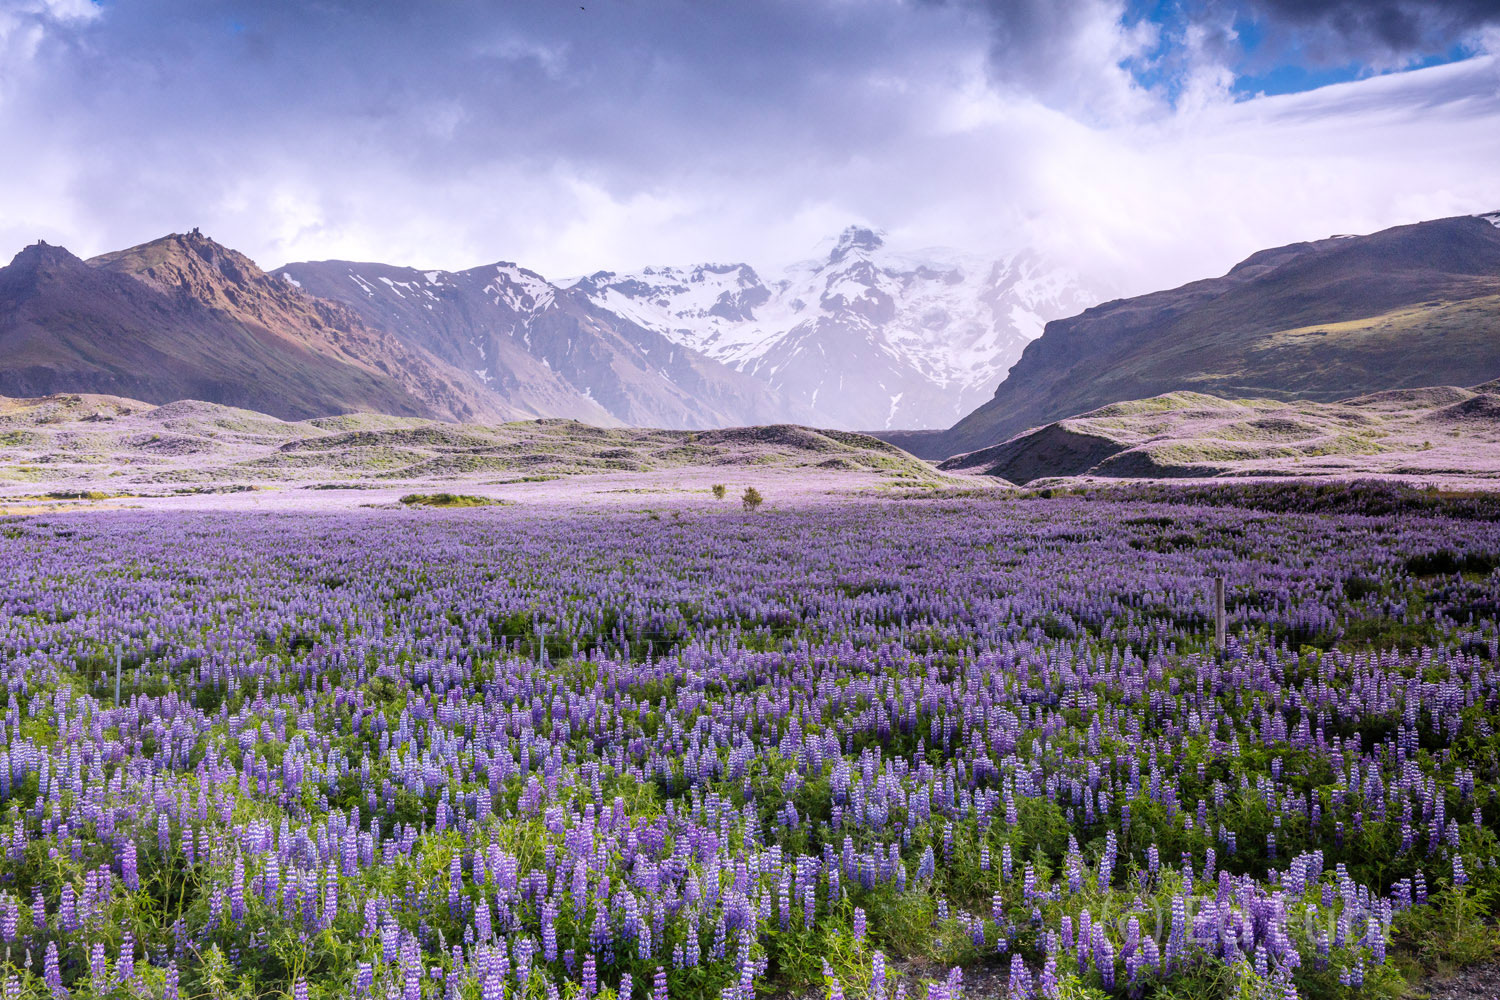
{"x": 1104, "y": 958}
{"x": 237, "y": 890}
{"x": 128, "y": 873}
{"x": 125, "y": 962}
{"x": 51, "y": 973}
{"x": 330, "y": 896}
{"x": 549, "y": 932}
{"x": 1019, "y": 986}
{"x": 67, "y": 913}
{"x": 411, "y": 971}
{"x": 1049, "y": 985}
{"x": 927, "y": 866}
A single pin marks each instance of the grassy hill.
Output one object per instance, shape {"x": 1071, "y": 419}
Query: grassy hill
{"x": 96, "y": 438}
{"x": 1441, "y": 431}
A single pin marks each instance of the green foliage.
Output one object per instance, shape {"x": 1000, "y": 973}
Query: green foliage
{"x": 448, "y": 500}
{"x": 1457, "y": 930}
{"x": 79, "y": 495}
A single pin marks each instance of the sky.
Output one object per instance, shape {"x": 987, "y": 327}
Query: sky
{"x": 1140, "y": 143}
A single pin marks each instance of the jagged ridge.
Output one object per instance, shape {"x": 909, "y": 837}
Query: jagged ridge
{"x": 183, "y": 317}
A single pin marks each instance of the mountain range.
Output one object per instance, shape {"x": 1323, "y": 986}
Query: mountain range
{"x": 861, "y": 336}
{"x": 547, "y": 350}
{"x": 185, "y": 318}
{"x": 1411, "y": 306}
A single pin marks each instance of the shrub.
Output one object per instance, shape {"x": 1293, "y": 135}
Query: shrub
{"x": 752, "y": 498}
{"x": 719, "y": 490}
{"x": 447, "y": 500}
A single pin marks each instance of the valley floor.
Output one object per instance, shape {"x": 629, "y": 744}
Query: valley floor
{"x": 634, "y": 740}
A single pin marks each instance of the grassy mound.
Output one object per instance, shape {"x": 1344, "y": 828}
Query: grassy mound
{"x": 448, "y": 500}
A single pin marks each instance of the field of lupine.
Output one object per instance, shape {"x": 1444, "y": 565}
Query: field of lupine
{"x": 854, "y": 748}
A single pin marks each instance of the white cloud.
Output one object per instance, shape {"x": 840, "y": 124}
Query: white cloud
{"x": 1191, "y": 195}
{"x": 1074, "y": 56}
{"x": 25, "y": 24}
{"x": 572, "y": 152}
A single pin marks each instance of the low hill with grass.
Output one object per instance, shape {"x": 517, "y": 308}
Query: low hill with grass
{"x": 94, "y": 439}
{"x": 1438, "y": 432}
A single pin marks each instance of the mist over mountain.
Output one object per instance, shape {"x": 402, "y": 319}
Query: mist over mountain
{"x": 544, "y": 349}
{"x": 864, "y": 336}
{"x": 1411, "y": 306}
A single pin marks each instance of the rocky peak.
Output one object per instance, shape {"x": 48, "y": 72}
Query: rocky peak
{"x": 193, "y": 266}
{"x": 42, "y": 255}
{"x": 856, "y": 239}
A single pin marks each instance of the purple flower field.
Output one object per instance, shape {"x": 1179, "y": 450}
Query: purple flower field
{"x": 860, "y": 748}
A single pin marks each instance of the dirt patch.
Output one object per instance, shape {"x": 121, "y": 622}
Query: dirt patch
{"x": 1478, "y": 982}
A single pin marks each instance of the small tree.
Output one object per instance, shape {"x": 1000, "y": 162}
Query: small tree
{"x": 719, "y": 491}
{"x": 752, "y": 498}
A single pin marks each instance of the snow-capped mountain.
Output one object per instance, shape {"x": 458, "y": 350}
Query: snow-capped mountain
{"x": 548, "y": 351}
{"x": 865, "y": 336}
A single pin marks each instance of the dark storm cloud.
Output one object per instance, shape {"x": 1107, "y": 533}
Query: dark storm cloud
{"x": 1072, "y": 54}
{"x": 1355, "y": 29}
{"x": 1085, "y": 55}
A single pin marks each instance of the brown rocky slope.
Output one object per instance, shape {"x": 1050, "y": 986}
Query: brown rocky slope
{"x": 185, "y": 318}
